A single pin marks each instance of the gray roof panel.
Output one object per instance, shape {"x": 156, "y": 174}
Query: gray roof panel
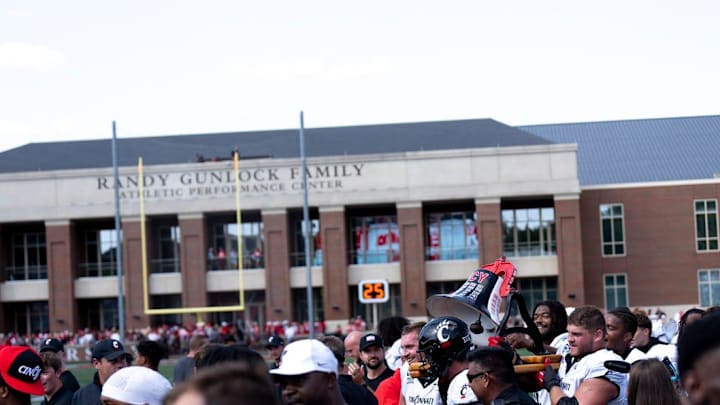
{"x": 337, "y": 141}
{"x": 637, "y": 151}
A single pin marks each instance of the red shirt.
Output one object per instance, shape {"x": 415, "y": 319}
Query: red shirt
{"x": 388, "y": 392}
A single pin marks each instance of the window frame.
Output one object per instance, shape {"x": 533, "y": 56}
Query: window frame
{"x": 613, "y": 242}
{"x": 466, "y": 251}
{"x": 709, "y": 283}
{"x": 547, "y": 233}
{"x": 615, "y": 286}
{"x": 707, "y": 239}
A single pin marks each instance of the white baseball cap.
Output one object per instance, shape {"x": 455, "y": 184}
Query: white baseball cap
{"x": 305, "y": 356}
{"x": 136, "y": 385}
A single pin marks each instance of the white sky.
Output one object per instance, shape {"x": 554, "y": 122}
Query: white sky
{"x": 161, "y": 67}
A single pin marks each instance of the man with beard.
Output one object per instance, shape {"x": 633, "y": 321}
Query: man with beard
{"x": 374, "y": 369}
{"x": 389, "y": 391}
{"x": 583, "y": 377}
{"x": 550, "y": 318}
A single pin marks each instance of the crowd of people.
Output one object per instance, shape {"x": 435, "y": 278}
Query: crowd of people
{"x": 606, "y": 357}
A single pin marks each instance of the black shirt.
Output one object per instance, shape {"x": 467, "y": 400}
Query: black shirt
{"x": 513, "y": 395}
{"x": 62, "y": 397}
{"x": 355, "y": 394}
{"x": 375, "y": 382}
{"x": 69, "y": 381}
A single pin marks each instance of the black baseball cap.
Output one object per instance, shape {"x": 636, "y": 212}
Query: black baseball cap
{"x": 20, "y": 368}
{"x": 109, "y": 349}
{"x": 52, "y": 345}
{"x": 275, "y": 341}
{"x": 370, "y": 339}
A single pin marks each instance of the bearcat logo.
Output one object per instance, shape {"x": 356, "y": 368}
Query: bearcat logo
{"x": 34, "y": 373}
{"x": 116, "y": 345}
{"x": 443, "y": 330}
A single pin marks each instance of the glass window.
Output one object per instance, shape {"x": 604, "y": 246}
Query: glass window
{"x": 168, "y": 258}
{"x": 376, "y": 239}
{"x": 529, "y": 232}
{"x": 223, "y": 253}
{"x": 167, "y": 301}
{"x": 98, "y": 313}
{"x": 451, "y": 236}
{"x": 297, "y": 255}
{"x": 613, "y": 229}
{"x": 28, "y": 260}
{"x": 101, "y": 249}
{"x": 535, "y": 290}
{"x": 709, "y": 287}
{"x": 616, "y": 292}
{"x": 25, "y": 318}
{"x": 706, "y": 225}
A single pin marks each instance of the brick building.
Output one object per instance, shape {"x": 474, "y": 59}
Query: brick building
{"x": 420, "y": 205}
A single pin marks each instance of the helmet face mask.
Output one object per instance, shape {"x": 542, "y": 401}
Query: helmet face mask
{"x": 443, "y": 340}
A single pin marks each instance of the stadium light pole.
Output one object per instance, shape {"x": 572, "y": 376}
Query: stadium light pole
{"x": 118, "y": 239}
{"x": 306, "y": 225}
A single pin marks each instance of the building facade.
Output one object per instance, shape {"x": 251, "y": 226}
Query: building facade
{"x": 421, "y": 217}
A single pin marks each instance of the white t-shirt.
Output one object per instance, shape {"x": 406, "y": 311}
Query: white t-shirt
{"x": 393, "y": 355}
{"x": 634, "y": 356}
{"x": 415, "y": 393}
{"x": 459, "y": 391}
{"x": 592, "y": 366}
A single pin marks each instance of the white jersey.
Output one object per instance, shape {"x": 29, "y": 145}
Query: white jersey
{"x": 459, "y": 391}
{"x": 592, "y": 366}
{"x": 634, "y": 356}
{"x": 393, "y": 356}
{"x": 415, "y": 392}
{"x": 661, "y": 351}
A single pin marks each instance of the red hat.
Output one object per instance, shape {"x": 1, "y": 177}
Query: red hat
{"x": 20, "y": 367}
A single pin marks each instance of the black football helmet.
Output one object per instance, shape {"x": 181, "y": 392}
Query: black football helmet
{"x": 443, "y": 340}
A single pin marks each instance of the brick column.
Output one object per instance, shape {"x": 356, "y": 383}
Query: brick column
{"x": 135, "y": 317}
{"x": 412, "y": 259}
{"x": 489, "y": 229}
{"x": 61, "y": 248}
{"x": 336, "y": 301}
{"x": 193, "y": 254}
{"x": 571, "y": 283}
{"x": 278, "y": 303}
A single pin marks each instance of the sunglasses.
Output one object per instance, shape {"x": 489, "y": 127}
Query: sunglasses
{"x": 471, "y": 377}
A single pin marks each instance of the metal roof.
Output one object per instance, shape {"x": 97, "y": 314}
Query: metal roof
{"x": 337, "y": 141}
{"x": 645, "y": 150}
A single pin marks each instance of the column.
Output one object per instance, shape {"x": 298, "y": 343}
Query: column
{"x": 62, "y": 261}
{"x": 278, "y": 303}
{"x": 336, "y": 301}
{"x": 489, "y": 229}
{"x": 413, "y": 288}
{"x": 193, "y": 265}
{"x": 571, "y": 283}
{"x": 135, "y": 317}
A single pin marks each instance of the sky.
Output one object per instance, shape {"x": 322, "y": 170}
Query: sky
{"x": 165, "y": 67}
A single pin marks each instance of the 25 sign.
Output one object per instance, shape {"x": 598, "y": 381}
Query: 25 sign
{"x": 373, "y": 291}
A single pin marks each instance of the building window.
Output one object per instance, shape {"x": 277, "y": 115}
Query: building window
{"x": 101, "y": 249}
{"x": 166, "y": 301}
{"x": 613, "y": 229}
{"x": 616, "y": 292}
{"x": 297, "y": 256}
{"x": 451, "y": 236}
{"x": 28, "y": 260}
{"x": 98, "y": 314}
{"x": 376, "y": 239}
{"x": 223, "y": 253}
{"x": 709, "y": 287}
{"x": 529, "y": 232}
{"x": 706, "y": 225}
{"x": 168, "y": 258}
{"x": 25, "y": 318}
{"x": 535, "y": 290}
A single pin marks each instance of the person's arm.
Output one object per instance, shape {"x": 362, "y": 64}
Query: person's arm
{"x": 593, "y": 391}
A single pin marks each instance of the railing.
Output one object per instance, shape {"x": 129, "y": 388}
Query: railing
{"x": 257, "y": 262}
{"x": 97, "y": 269}
{"x": 461, "y": 253}
{"x": 297, "y": 259}
{"x": 14, "y": 273}
{"x": 524, "y": 249}
{"x": 374, "y": 256}
{"x": 165, "y": 265}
